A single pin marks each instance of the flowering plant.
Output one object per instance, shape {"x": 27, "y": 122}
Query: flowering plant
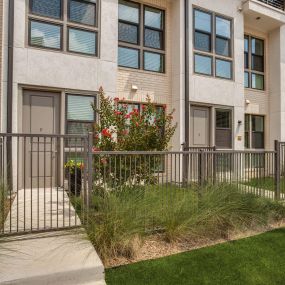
{"x": 71, "y": 165}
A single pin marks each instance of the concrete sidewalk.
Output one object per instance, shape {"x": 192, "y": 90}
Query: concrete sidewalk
{"x": 54, "y": 258}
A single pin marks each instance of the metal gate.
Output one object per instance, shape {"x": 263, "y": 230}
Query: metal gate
{"x": 43, "y": 181}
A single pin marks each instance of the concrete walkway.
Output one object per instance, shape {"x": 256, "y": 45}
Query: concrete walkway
{"x": 40, "y": 209}
{"x": 55, "y": 258}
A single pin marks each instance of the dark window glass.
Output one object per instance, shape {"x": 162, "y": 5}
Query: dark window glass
{"x": 153, "y": 39}
{"x": 257, "y": 63}
{"x": 45, "y": 35}
{"x": 246, "y": 79}
{"x": 223, "y": 47}
{"x": 246, "y": 131}
{"x": 223, "y": 119}
{"x": 246, "y": 43}
{"x": 257, "y": 123}
{"x": 83, "y": 12}
{"x": 128, "y": 57}
{"x": 129, "y": 11}
{"x": 153, "y": 18}
{"x": 223, "y": 129}
{"x": 246, "y": 60}
{"x": 82, "y": 41}
{"x": 153, "y": 62}
{"x": 257, "y": 81}
{"x": 47, "y": 8}
{"x": 203, "y": 64}
{"x": 128, "y": 33}
{"x": 203, "y": 21}
{"x": 203, "y": 41}
{"x": 257, "y": 47}
{"x": 224, "y": 68}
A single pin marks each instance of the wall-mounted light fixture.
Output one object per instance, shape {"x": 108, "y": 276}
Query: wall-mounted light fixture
{"x": 134, "y": 88}
{"x": 247, "y": 102}
{"x": 239, "y": 122}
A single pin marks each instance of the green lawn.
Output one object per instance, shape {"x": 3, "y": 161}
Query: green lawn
{"x": 257, "y": 260}
{"x": 266, "y": 183}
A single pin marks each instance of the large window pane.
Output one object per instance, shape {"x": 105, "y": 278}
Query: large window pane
{"x": 258, "y": 140}
{"x": 223, "y": 69}
{"x": 153, "y": 39}
{"x": 223, "y": 47}
{"x": 223, "y": 27}
{"x": 83, "y": 12}
{"x": 257, "y": 46}
{"x": 223, "y": 119}
{"x": 153, "y": 18}
{"x": 257, "y": 63}
{"x": 129, "y": 11}
{"x": 203, "y": 21}
{"x": 203, "y": 64}
{"x": 45, "y": 35}
{"x": 246, "y": 80}
{"x": 48, "y": 8}
{"x": 257, "y": 123}
{"x": 257, "y": 81}
{"x": 128, "y": 57}
{"x": 153, "y": 62}
{"x": 79, "y": 108}
{"x": 82, "y": 41}
{"x": 203, "y": 41}
{"x": 128, "y": 33}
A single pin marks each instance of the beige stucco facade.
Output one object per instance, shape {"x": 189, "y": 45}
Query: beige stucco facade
{"x": 41, "y": 69}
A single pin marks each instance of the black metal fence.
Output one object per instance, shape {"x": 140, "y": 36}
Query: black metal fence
{"x": 47, "y": 180}
{"x": 279, "y": 4}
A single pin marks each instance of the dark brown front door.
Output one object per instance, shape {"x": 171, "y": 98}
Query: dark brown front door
{"x": 41, "y": 157}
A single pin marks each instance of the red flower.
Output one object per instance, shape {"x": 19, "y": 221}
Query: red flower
{"x": 137, "y": 124}
{"x": 117, "y": 113}
{"x": 106, "y": 133}
{"x": 94, "y": 149}
{"x": 125, "y": 132}
{"x": 127, "y": 116}
{"x": 116, "y": 99}
{"x": 104, "y": 160}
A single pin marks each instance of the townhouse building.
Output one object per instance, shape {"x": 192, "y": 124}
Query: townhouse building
{"x": 219, "y": 63}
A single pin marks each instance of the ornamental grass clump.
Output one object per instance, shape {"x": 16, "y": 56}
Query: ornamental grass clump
{"x": 119, "y": 221}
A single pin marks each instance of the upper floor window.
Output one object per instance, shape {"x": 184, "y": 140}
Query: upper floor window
{"x": 253, "y": 63}
{"x": 67, "y": 25}
{"x": 141, "y": 37}
{"x": 212, "y": 44}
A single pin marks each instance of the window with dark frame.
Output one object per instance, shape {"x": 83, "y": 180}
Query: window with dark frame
{"x": 223, "y": 133}
{"x": 141, "y": 37}
{"x": 254, "y": 62}
{"x": 52, "y": 21}
{"x": 213, "y": 44}
{"x": 254, "y": 132}
{"x": 80, "y": 115}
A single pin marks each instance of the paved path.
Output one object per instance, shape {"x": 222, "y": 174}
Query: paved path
{"x": 54, "y": 258}
{"x": 40, "y": 209}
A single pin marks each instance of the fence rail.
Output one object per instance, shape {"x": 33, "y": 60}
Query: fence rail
{"x": 47, "y": 174}
{"x": 279, "y": 4}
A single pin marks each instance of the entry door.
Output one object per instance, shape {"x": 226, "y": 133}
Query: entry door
{"x": 200, "y": 122}
{"x": 41, "y": 116}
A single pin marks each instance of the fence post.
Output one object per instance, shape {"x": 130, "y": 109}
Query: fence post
{"x": 185, "y": 164}
{"x": 90, "y": 167}
{"x": 277, "y": 172}
{"x": 214, "y": 165}
{"x": 201, "y": 168}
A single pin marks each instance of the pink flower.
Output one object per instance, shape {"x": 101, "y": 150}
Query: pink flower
{"x": 104, "y": 160}
{"x": 127, "y": 116}
{"x": 117, "y": 113}
{"x": 94, "y": 149}
{"x": 116, "y": 99}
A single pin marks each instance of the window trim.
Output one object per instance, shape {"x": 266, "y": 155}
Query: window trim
{"x": 48, "y": 23}
{"x": 141, "y": 34}
{"x": 231, "y": 128}
{"x": 65, "y": 25}
{"x": 213, "y": 37}
{"x": 79, "y": 121}
{"x": 250, "y": 131}
{"x": 249, "y": 70}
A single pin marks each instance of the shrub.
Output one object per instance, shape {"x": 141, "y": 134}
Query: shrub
{"x": 118, "y": 221}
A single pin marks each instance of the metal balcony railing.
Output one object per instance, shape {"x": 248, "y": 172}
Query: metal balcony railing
{"x": 279, "y": 4}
